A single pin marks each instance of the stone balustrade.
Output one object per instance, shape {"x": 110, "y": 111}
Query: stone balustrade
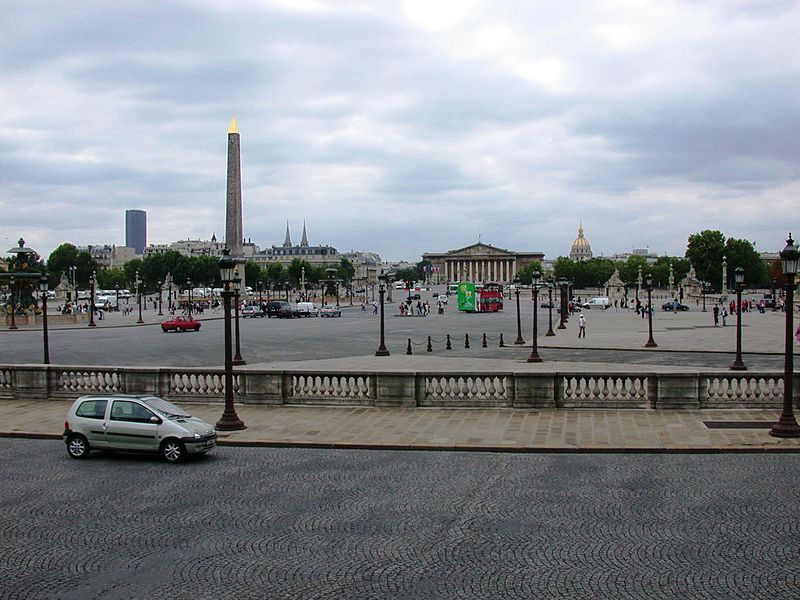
{"x": 608, "y": 389}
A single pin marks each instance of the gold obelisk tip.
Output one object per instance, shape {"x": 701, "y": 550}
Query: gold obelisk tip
{"x": 234, "y": 126}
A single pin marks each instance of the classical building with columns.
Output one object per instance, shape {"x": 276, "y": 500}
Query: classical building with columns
{"x": 479, "y": 263}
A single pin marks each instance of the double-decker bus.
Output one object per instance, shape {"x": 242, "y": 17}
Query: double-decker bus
{"x": 480, "y": 298}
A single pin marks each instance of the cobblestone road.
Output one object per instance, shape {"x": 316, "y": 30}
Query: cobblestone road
{"x": 292, "y": 523}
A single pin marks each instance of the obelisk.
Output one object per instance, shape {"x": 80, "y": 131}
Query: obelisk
{"x": 233, "y": 204}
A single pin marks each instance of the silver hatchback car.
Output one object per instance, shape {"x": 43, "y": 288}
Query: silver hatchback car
{"x": 135, "y": 423}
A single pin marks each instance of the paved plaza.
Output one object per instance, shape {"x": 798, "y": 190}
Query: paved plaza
{"x": 313, "y": 523}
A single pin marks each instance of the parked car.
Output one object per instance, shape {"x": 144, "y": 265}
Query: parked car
{"x": 330, "y": 311}
{"x": 674, "y": 305}
{"x": 135, "y": 423}
{"x": 416, "y": 297}
{"x": 307, "y": 309}
{"x": 180, "y": 323}
{"x": 278, "y": 308}
{"x": 598, "y": 302}
{"x": 769, "y": 301}
{"x": 252, "y": 311}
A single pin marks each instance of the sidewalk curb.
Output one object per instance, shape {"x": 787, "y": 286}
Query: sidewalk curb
{"x": 464, "y": 448}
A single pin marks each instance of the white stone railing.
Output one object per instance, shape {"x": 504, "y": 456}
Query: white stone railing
{"x": 661, "y": 390}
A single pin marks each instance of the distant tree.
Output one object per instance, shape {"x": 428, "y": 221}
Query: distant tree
{"x": 629, "y": 269}
{"x": 130, "y": 268}
{"x": 742, "y": 253}
{"x": 109, "y": 278}
{"x": 408, "y": 274}
{"x": 60, "y": 260}
{"x": 346, "y": 271}
{"x": 525, "y": 274}
{"x": 704, "y": 251}
{"x": 565, "y": 268}
{"x": 275, "y": 275}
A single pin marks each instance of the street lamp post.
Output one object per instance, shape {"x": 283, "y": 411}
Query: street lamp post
{"x": 74, "y": 285}
{"x": 229, "y": 421}
{"x": 737, "y": 364}
{"x": 651, "y": 343}
{"x": 519, "y": 341}
{"x": 13, "y": 305}
{"x": 534, "y": 357}
{"x": 91, "y": 300}
{"x": 160, "y": 314}
{"x": 43, "y": 288}
{"x": 139, "y": 296}
{"x": 237, "y": 283}
{"x": 550, "y": 331}
{"x": 382, "y": 351}
{"x": 639, "y": 282}
{"x": 703, "y": 287}
{"x": 562, "y": 285}
{"x": 189, "y": 285}
{"x": 787, "y": 426}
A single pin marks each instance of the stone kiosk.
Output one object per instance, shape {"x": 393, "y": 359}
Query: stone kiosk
{"x": 615, "y": 287}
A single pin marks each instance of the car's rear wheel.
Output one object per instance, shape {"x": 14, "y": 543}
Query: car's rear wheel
{"x": 173, "y": 450}
{"x": 77, "y": 446}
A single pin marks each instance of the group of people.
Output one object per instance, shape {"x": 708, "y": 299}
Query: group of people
{"x": 422, "y": 309}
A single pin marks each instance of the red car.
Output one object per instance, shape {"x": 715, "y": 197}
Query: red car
{"x": 180, "y": 324}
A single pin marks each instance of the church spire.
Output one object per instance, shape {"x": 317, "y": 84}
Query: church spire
{"x": 287, "y": 243}
{"x": 304, "y": 241}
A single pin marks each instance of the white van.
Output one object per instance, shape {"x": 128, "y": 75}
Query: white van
{"x": 307, "y": 309}
{"x": 599, "y": 302}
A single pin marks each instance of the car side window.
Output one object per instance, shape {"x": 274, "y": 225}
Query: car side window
{"x": 92, "y": 409}
{"x": 125, "y": 410}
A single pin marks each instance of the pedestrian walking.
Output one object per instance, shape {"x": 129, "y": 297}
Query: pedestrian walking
{"x": 581, "y": 327}
{"x": 724, "y": 316}
{"x": 715, "y": 310}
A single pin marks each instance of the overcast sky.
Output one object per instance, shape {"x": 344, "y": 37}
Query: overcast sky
{"x": 403, "y": 127}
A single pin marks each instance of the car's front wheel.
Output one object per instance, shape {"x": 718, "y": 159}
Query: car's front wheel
{"x": 77, "y": 446}
{"x": 172, "y": 450}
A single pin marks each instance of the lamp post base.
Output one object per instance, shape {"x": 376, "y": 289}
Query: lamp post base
{"x": 786, "y": 427}
{"x": 381, "y": 352}
{"x": 230, "y": 422}
{"x": 651, "y": 344}
{"x": 519, "y": 342}
{"x": 238, "y": 361}
{"x": 534, "y": 358}
{"x": 737, "y": 365}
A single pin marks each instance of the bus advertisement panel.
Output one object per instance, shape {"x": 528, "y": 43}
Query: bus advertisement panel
{"x": 466, "y": 296}
{"x": 480, "y": 298}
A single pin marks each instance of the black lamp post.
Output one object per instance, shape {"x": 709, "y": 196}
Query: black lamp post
{"x": 116, "y": 288}
{"x": 229, "y": 421}
{"x": 160, "y": 314}
{"x": 550, "y": 331}
{"x": 534, "y": 357}
{"x": 189, "y": 285}
{"x": 737, "y": 364}
{"x": 260, "y": 297}
{"x": 787, "y": 426}
{"x": 562, "y": 284}
{"x": 11, "y": 281}
{"x": 651, "y": 343}
{"x": 382, "y": 278}
{"x": 91, "y": 300}
{"x": 237, "y": 283}
{"x": 43, "y": 288}
{"x": 519, "y": 341}
{"x": 703, "y": 287}
{"x": 139, "y": 295}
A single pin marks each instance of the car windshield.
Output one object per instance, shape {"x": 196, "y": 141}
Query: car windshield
{"x": 165, "y": 408}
